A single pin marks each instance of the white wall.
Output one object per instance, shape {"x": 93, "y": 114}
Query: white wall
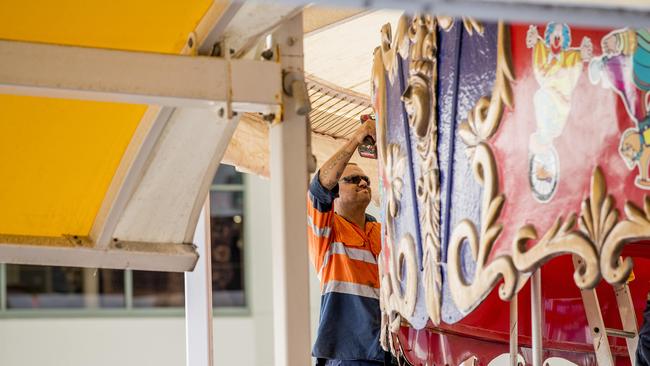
{"x": 117, "y": 341}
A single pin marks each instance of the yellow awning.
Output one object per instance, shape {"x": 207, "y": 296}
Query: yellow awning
{"x": 59, "y": 156}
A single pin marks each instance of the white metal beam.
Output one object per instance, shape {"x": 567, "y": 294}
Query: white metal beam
{"x": 600, "y": 13}
{"x": 198, "y": 297}
{"x": 288, "y": 165}
{"x": 80, "y": 252}
{"x": 138, "y": 77}
{"x": 166, "y": 204}
{"x": 253, "y": 21}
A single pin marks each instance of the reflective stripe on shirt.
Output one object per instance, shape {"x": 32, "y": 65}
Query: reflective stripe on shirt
{"x": 352, "y": 253}
{"x": 351, "y": 289}
{"x": 320, "y": 232}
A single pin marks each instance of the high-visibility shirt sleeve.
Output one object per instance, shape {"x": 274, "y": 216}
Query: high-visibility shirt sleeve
{"x": 320, "y": 211}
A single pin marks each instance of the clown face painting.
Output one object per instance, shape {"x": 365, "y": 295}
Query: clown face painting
{"x": 556, "y": 67}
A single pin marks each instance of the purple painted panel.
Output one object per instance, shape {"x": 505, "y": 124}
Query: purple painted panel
{"x": 397, "y": 131}
{"x": 475, "y": 78}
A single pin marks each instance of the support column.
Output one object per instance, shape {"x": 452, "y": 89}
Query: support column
{"x": 536, "y": 315}
{"x": 288, "y": 167}
{"x": 198, "y": 297}
{"x": 3, "y": 286}
{"x": 514, "y": 331}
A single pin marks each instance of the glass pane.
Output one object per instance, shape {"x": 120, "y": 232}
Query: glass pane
{"x": 227, "y": 237}
{"x": 158, "y": 289}
{"x": 226, "y": 174}
{"x": 32, "y": 287}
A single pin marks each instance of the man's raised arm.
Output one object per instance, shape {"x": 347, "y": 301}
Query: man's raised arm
{"x": 331, "y": 171}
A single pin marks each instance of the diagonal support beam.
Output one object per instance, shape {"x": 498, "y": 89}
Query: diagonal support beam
{"x": 138, "y": 77}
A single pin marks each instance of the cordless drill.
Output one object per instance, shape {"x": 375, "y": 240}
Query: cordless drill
{"x": 368, "y": 148}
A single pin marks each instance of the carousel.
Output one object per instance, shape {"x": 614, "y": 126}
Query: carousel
{"x": 511, "y": 142}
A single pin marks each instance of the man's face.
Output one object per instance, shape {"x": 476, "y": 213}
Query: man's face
{"x": 351, "y": 193}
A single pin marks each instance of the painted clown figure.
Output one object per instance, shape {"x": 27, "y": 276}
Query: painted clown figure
{"x": 624, "y": 67}
{"x": 557, "y": 68}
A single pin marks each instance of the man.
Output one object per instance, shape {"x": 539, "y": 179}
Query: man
{"x": 344, "y": 243}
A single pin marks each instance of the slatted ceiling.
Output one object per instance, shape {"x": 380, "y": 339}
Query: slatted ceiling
{"x": 335, "y": 111}
{"x": 59, "y": 156}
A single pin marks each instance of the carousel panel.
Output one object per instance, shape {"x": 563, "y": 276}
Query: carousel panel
{"x": 502, "y": 174}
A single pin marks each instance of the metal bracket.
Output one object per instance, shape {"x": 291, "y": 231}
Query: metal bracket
{"x": 293, "y": 84}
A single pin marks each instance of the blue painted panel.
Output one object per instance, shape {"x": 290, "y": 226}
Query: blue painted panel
{"x": 397, "y": 132}
{"x": 476, "y": 64}
{"x": 448, "y": 50}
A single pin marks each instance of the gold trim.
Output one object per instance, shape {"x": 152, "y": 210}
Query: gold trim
{"x": 484, "y": 119}
{"x": 468, "y": 296}
{"x": 599, "y": 218}
{"x": 598, "y": 215}
{"x": 418, "y": 40}
{"x": 558, "y": 240}
{"x": 391, "y": 47}
{"x": 395, "y": 168}
{"x": 420, "y": 102}
{"x": 472, "y": 25}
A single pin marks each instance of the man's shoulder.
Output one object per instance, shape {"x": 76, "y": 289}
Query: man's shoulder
{"x": 370, "y": 218}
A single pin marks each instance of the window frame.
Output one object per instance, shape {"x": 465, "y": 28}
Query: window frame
{"x": 128, "y": 310}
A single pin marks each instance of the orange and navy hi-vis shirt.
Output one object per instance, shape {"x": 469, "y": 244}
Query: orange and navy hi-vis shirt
{"x": 345, "y": 258}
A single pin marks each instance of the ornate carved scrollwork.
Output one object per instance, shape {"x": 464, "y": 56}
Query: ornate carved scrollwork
{"x": 598, "y": 242}
{"x": 482, "y": 123}
{"x": 599, "y": 221}
{"x": 468, "y": 296}
{"x": 420, "y": 103}
{"x": 417, "y": 40}
{"x": 483, "y": 120}
{"x": 559, "y": 239}
{"x": 636, "y": 227}
{"x": 395, "y": 303}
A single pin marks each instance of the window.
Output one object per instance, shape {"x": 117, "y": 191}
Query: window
{"x": 227, "y": 238}
{"x": 25, "y": 289}
{"x": 39, "y": 287}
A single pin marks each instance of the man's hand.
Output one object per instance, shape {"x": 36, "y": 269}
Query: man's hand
{"x": 366, "y": 129}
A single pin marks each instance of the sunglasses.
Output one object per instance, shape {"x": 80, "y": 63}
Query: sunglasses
{"x": 355, "y": 179}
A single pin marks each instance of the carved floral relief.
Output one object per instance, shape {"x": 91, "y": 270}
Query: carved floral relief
{"x": 594, "y": 233}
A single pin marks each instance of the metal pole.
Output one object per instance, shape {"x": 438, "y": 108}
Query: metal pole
{"x": 514, "y": 334}
{"x": 3, "y": 286}
{"x": 288, "y": 166}
{"x": 628, "y": 319}
{"x": 198, "y": 297}
{"x": 536, "y": 315}
{"x": 128, "y": 289}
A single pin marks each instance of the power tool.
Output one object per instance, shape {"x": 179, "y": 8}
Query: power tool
{"x": 368, "y": 148}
